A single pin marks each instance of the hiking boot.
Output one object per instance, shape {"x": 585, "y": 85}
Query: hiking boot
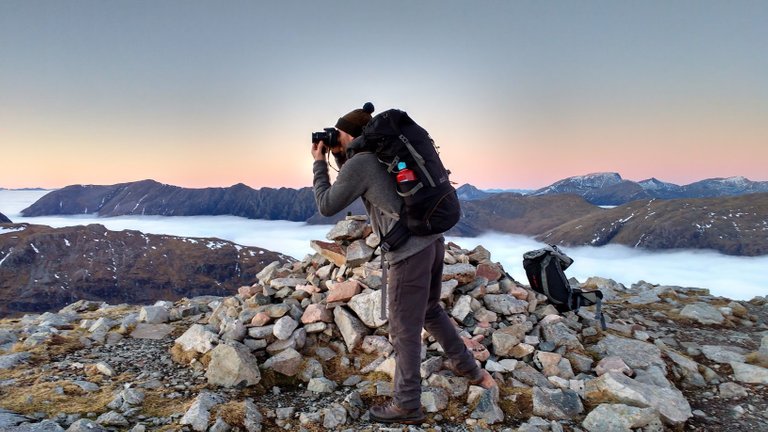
{"x": 391, "y": 413}
{"x": 480, "y": 377}
{"x": 485, "y": 380}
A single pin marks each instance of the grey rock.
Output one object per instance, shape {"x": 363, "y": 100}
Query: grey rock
{"x": 43, "y": 426}
{"x": 253, "y": 417}
{"x": 749, "y": 374}
{"x": 367, "y": 307}
{"x": 346, "y": 230}
{"x": 232, "y": 364}
{"x": 220, "y": 426}
{"x": 352, "y": 329}
{"x": 434, "y": 399}
{"x": 198, "y": 415}
{"x": 561, "y": 335}
{"x": 8, "y": 419}
{"x": 636, "y": 354}
{"x": 730, "y": 390}
{"x": 703, "y": 313}
{"x": 723, "y": 354}
{"x": 198, "y": 338}
{"x": 284, "y": 327}
{"x": 488, "y": 407}
{"x": 358, "y": 252}
{"x": 261, "y": 332}
{"x": 321, "y": 385}
{"x": 619, "y": 418}
{"x": 462, "y": 308}
{"x": 85, "y": 425}
{"x": 614, "y": 387}
{"x": 505, "y": 304}
{"x": 286, "y": 362}
{"x": 112, "y": 418}
{"x": 288, "y": 282}
{"x": 334, "y": 416}
{"x": 463, "y": 272}
{"x": 9, "y": 361}
{"x": 154, "y": 315}
{"x": 556, "y": 404}
{"x": 686, "y": 368}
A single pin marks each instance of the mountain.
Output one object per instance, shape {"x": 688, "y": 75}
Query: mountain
{"x": 580, "y": 185}
{"x": 732, "y": 225}
{"x": 149, "y": 197}
{"x": 723, "y": 187}
{"x": 467, "y": 192}
{"x": 4, "y": 219}
{"x": 610, "y": 189}
{"x": 44, "y": 268}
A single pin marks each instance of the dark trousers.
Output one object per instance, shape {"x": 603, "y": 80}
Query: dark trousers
{"x": 414, "y": 303}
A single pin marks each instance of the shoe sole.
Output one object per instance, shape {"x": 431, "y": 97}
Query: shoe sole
{"x": 401, "y": 421}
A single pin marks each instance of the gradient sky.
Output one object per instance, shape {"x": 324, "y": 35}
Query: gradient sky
{"x": 518, "y": 94}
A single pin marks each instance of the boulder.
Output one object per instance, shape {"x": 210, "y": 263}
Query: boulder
{"x": 367, "y": 307}
{"x": 232, "y": 364}
{"x": 703, "y": 313}
{"x": 615, "y": 387}
{"x": 619, "y": 418}
{"x": 352, "y": 329}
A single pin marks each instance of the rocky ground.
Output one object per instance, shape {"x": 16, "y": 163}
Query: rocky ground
{"x": 304, "y": 348}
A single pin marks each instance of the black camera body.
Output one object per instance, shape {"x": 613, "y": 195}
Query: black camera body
{"x": 329, "y": 137}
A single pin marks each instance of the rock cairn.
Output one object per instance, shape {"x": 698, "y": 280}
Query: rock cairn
{"x": 305, "y": 348}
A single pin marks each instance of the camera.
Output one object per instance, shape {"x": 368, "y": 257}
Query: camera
{"x": 329, "y": 137}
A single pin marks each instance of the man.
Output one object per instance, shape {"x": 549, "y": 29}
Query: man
{"x": 415, "y": 275}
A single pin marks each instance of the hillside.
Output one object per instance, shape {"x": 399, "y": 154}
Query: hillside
{"x": 732, "y": 225}
{"x": 44, "y": 268}
{"x": 4, "y": 219}
{"x": 517, "y": 214}
{"x": 149, "y": 197}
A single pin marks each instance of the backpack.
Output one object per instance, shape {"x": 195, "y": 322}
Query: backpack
{"x": 545, "y": 270}
{"x": 431, "y": 204}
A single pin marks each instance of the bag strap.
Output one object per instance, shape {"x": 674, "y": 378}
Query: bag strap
{"x": 384, "y": 276}
{"x": 596, "y": 298}
{"x": 416, "y": 156}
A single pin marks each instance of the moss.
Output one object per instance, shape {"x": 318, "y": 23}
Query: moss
{"x": 516, "y": 402}
{"x": 233, "y": 413}
{"x": 43, "y": 397}
{"x": 156, "y": 405}
{"x": 757, "y": 359}
{"x": 180, "y": 356}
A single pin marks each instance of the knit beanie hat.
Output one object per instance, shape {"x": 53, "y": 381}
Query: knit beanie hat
{"x": 353, "y": 122}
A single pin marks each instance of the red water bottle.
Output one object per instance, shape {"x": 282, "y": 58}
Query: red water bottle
{"x": 405, "y": 177}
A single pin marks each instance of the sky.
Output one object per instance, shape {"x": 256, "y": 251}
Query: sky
{"x": 517, "y": 94}
{"x": 734, "y": 277}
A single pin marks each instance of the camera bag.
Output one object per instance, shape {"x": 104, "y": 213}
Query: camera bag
{"x": 431, "y": 203}
{"x": 545, "y": 269}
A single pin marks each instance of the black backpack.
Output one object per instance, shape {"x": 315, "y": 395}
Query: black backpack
{"x": 545, "y": 270}
{"x": 431, "y": 204}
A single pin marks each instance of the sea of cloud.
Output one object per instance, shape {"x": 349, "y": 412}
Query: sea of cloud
{"x": 734, "y": 277}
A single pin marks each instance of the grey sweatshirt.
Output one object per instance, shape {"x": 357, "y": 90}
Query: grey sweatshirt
{"x": 364, "y": 176}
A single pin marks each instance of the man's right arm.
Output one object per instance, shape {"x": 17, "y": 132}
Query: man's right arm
{"x": 349, "y": 186}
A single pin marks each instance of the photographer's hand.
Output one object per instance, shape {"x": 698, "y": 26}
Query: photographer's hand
{"x": 319, "y": 150}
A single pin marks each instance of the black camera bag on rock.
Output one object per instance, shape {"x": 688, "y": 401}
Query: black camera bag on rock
{"x": 431, "y": 204}
{"x": 545, "y": 270}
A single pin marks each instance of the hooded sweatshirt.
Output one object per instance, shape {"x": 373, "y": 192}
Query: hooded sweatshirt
{"x": 364, "y": 176}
